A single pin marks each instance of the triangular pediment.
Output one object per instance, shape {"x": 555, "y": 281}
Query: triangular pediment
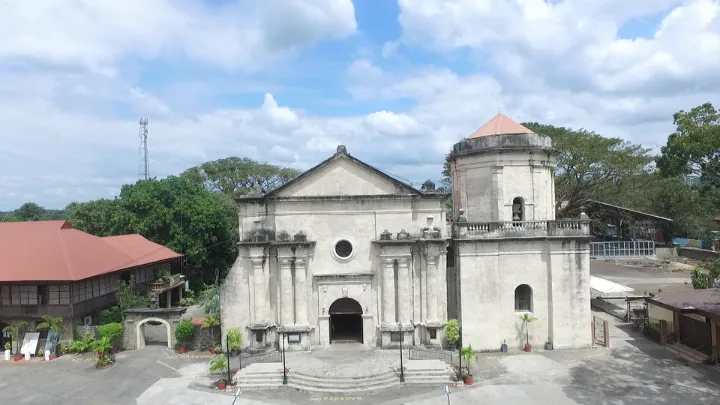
{"x": 343, "y": 175}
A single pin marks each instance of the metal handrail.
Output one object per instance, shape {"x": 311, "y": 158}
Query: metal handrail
{"x": 678, "y": 345}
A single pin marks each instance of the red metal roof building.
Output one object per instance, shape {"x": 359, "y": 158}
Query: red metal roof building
{"x": 49, "y": 268}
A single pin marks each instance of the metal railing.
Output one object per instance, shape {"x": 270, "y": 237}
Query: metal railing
{"x": 631, "y": 248}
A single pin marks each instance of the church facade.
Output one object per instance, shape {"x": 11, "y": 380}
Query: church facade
{"x": 346, "y": 253}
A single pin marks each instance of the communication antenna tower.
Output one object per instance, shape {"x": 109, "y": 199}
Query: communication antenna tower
{"x": 144, "y": 169}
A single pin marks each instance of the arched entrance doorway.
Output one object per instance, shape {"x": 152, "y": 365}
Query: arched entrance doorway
{"x": 150, "y": 331}
{"x": 346, "y": 323}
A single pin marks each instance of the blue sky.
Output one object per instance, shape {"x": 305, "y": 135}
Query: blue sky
{"x": 285, "y": 81}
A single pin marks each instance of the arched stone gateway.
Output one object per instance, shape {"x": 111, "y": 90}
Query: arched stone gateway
{"x": 136, "y": 319}
{"x": 346, "y": 322}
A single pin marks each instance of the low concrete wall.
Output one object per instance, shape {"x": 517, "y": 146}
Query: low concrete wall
{"x": 699, "y": 254}
{"x": 664, "y": 252}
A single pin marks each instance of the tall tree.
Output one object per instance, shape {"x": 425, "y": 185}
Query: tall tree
{"x": 172, "y": 212}
{"x": 29, "y": 212}
{"x": 235, "y": 176}
{"x": 694, "y": 148}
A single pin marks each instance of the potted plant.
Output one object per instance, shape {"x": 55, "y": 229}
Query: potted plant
{"x": 469, "y": 355}
{"x": 210, "y": 322}
{"x": 183, "y": 332}
{"x": 16, "y": 330}
{"x": 235, "y": 340}
{"x": 527, "y": 319}
{"x": 219, "y": 365}
{"x": 8, "y": 348}
{"x": 52, "y": 323}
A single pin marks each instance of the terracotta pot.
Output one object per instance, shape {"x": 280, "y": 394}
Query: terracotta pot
{"x": 528, "y": 348}
{"x": 53, "y": 356}
{"x": 467, "y": 380}
{"x": 181, "y": 350}
{"x": 221, "y": 385}
{"x": 212, "y": 350}
{"x": 18, "y": 357}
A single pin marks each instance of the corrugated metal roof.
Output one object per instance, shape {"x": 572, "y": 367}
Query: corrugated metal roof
{"x": 54, "y": 251}
{"x": 500, "y": 125}
{"x": 705, "y": 301}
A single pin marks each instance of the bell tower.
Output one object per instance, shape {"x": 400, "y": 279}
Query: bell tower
{"x": 503, "y": 172}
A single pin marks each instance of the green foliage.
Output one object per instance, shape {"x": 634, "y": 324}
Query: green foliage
{"x": 469, "y": 354}
{"x": 184, "y": 331}
{"x": 102, "y": 347}
{"x": 699, "y": 279}
{"x": 104, "y": 361}
{"x": 234, "y": 339}
{"x": 187, "y": 299}
{"x": 8, "y": 346}
{"x": 694, "y": 147}
{"x": 112, "y": 331}
{"x": 32, "y": 212}
{"x": 53, "y": 323}
{"x": 110, "y": 315}
{"x": 218, "y": 365}
{"x": 163, "y": 276}
{"x": 172, "y": 212}
{"x": 236, "y": 176}
{"x": 452, "y": 332}
{"x": 527, "y": 320}
{"x": 82, "y": 345}
{"x": 713, "y": 268}
{"x": 16, "y": 330}
{"x": 128, "y": 297}
{"x": 211, "y": 322}
{"x": 209, "y": 299}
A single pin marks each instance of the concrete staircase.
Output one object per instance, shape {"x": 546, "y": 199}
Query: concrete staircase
{"x": 341, "y": 384}
{"x": 427, "y": 373}
{"x": 260, "y": 376}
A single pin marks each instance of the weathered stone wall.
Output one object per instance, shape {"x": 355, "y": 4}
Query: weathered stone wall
{"x": 699, "y": 254}
{"x": 136, "y": 319}
{"x": 203, "y": 338}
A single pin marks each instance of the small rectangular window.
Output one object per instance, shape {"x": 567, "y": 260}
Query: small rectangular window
{"x": 433, "y": 333}
{"x": 395, "y": 336}
{"x": 259, "y": 337}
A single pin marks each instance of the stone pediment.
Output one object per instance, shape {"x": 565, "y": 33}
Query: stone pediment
{"x": 343, "y": 175}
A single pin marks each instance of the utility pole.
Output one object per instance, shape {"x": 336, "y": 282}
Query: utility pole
{"x": 144, "y": 168}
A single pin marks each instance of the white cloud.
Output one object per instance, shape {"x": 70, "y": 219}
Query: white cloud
{"x": 95, "y": 34}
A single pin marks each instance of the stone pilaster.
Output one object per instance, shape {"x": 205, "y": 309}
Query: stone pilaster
{"x": 498, "y": 206}
{"x": 261, "y": 296}
{"x": 403, "y": 291}
{"x": 287, "y": 296}
{"x": 388, "y": 289}
{"x": 301, "y": 291}
{"x": 432, "y": 288}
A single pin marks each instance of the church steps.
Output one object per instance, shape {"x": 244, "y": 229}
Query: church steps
{"x": 339, "y": 384}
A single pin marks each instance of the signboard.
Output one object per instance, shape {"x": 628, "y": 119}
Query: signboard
{"x": 30, "y": 342}
{"x": 293, "y": 337}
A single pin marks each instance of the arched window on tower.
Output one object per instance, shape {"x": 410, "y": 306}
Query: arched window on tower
{"x": 518, "y": 209}
{"x": 523, "y": 298}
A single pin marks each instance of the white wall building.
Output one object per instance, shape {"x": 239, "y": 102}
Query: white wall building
{"x": 345, "y": 252}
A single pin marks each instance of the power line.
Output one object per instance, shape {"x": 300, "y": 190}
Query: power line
{"x": 144, "y": 164}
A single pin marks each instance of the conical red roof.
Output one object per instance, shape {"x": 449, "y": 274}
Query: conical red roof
{"x": 500, "y": 125}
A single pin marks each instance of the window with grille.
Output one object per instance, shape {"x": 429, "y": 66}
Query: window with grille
{"x": 523, "y": 298}
{"x": 24, "y": 295}
{"x": 343, "y": 249}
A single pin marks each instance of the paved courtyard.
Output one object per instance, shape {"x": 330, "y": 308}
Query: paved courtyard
{"x": 633, "y": 371}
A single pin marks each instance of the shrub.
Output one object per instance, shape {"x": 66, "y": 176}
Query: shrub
{"x": 218, "y": 365}
{"x": 112, "y": 331}
{"x": 699, "y": 279}
{"x": 82, "y": 345}
{"x": 234, "y": 338}
{"x": 452, "y": 332}
{"x": 111, "y": 315}
{"x": 184, "y": 331}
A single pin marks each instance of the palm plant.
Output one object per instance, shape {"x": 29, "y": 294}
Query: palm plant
{"x": 527, "y": 319}
{"x": 211, "y": 322}
{"x": 218, "y": 365}
{"x": 469, "y": 355}
{"x": 53, "y": 323}
{"x": 15, "y": 330}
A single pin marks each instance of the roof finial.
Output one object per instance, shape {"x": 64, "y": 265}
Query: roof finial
{"x": 499, "y": 106}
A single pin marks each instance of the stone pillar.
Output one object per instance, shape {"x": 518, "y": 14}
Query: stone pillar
{"x": 168, "y": 304}
{"x": 261, "y": 296}
{"x": 404, "y": 295}
{"x": 286, "y": 292}
{"x": 432, "y": 288}
{"x": 301, "y": 292}
{"x": 388, "y": 309}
